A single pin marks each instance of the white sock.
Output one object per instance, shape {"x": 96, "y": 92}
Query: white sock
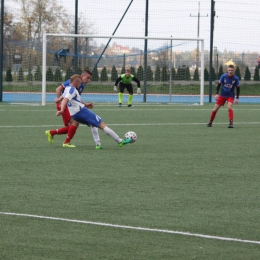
{"x": 112, "y": 134}
{"x": 95, "y": 135}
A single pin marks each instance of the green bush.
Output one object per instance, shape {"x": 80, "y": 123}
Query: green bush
{"x": 237, "y": 72}
{"x": 149, "y": 74}
{"x": 247, "y": 74}
{"x": 114, "y": 74}
{"x": 164, "y": 76}
{"x": 132, "y": 69}
{"x": 20, "y": 75}
{"x": 30, "y": 75}
{"x": 256, "y": 75}
{"x": 95, "y": 76}
{"x": 38, "y": 74}
{"x": 187, "y": 73}
{"x": 206, "y": 75}
{"x": 69, "y": 73}
{"x": 196, "y": 74}
{"x": 103, "y": 75}
{"x": 157, "y": 76}
{"x": 140, "y": 73}
{"x": 57, "y": 75}
{"x": 123, "y": 70}
{"x": 49, "y": 75}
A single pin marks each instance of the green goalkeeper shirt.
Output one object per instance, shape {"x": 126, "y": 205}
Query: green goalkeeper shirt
{"x": 127, "y": 81}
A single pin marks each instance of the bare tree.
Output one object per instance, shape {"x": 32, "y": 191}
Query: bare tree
{"x": 37, "y": 16}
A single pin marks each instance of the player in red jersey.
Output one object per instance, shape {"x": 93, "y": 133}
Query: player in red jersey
{"x": 229, "y": 82}
{"x": 70, "y": 126}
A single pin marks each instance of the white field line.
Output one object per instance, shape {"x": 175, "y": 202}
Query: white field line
{"x": 147, "y": 124}
{"x": 134, "y": 228}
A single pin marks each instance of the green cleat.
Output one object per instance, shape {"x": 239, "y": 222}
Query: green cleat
{"x": 68, "y": 145}
{"x": 98, "y": 147}
{"x": 49, "y": 136}
{"x": 125, "y": 141}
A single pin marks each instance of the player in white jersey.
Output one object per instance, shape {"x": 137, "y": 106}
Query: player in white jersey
{"x": 81, "y": 114}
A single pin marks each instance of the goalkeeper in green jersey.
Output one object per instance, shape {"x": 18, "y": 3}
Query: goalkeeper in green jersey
{"x": 125, "y": 82}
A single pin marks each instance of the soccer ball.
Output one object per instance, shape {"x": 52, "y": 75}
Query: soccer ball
{"x": 132, "y": 135}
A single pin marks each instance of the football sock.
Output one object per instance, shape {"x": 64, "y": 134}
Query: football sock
{"x": 95, "y": 135}
{"x": 230, "y": 115}
{"x": 213, "y": 114}
{"x": 71, "y": 133}
{"x": 120, "y": 97}
{"x": 112, "y": 134}
{"x": 130, "y": 98}
{"x": 60, "y": 131}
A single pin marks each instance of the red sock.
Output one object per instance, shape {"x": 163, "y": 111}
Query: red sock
{"x": 213, "y": 114}
{"x": 230, "y": 115}
{"x": 60, "y": 131}
{"x": 71, "y": 133}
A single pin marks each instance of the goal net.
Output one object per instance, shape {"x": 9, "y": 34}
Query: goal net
{"x": 169, "y": 69}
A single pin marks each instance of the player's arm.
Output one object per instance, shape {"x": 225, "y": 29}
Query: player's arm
{"x": 238, "y": 93}
{"x": 217, "y": 90}
{"x": 117, "y": 81}
{"x": 59, "y": 90}
{"x": 63, "y": 105}
{"x": 135, "y": 79}
{"x": 87, "y": 105}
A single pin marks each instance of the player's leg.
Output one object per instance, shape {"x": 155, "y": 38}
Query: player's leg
{"x": 63, "y": 130}
{"x": 94, "y": 131}
{"x": 130, "y": 96}
{"x": 114, "y": 135}
{"x": 120, "y": 93}
{"x": 71, "y": 132}
{"x": 213, "y": 114}
{"x": 230, "y": 112}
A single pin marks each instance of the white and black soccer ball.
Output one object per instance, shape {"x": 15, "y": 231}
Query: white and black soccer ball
{"x": 132, "y": 135}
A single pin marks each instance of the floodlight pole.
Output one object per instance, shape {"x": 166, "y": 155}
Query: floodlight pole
{"x": 198, "y": 33}
{"x": 145, "y": 50}
{"x": 211, "y": 47}
{"x": 1, "y": 50}
{"x": 75, "y": 60}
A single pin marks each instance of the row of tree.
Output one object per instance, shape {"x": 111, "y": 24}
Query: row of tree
{"x": 159, "y": 74}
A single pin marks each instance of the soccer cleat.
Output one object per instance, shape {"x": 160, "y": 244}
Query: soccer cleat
{"x": 130, "y": 105}
{"x": 68, "y": 145}
{"x": 230, "y": 126}
{"x": 209, "y": 125}
{"x": 125, "y": 141}
{"x": 49, "y": 136}
{"x": 98, "y": 147}
{"x": 120, "y": 104}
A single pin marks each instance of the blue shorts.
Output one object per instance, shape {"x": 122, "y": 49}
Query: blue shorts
{"x": 87, "y": 117}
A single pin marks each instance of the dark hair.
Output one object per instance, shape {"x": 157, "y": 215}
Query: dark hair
{"x": 231, "y": 66}
{"x": 87, "y": 71}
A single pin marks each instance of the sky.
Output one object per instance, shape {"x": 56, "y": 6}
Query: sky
{"x": 236, "y": 22}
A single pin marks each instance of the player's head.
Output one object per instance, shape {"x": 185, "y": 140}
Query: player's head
{"x": 127, "y": 73}
{"x": 231, "y": 70}
{"x": 86, "y": 76}
{"x": 76, "y": 80}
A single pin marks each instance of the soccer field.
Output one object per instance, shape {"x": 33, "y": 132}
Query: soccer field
{"x": 181, "y": 191}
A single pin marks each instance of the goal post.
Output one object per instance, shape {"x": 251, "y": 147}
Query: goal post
{"x": 171, "y": 63}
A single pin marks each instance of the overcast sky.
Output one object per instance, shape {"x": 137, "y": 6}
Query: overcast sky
{"x": 236, "y": 22}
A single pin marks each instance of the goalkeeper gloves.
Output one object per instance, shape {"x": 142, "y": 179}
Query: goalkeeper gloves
{"x": 115, "y": 88}
{"x": 139, "y": 91}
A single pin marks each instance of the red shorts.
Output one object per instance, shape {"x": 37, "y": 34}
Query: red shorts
{"x": 66, "y": 114}
{"x": 222, "y": 100}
